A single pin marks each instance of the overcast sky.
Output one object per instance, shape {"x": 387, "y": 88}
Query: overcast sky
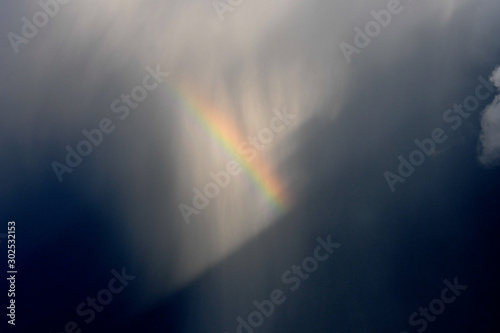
{"x": 217, "y": 75}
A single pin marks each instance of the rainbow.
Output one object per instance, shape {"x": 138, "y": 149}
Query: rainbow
{"x": 221, "y": 129}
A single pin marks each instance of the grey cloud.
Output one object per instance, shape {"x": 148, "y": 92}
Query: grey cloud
{"x": 490, "y": 123}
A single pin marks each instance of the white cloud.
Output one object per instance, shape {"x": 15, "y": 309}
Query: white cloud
{"x": 495, "y": 77}
{"x": 490, "y": 123}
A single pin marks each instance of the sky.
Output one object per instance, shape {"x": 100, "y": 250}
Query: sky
{"x": 178, "y": 162}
